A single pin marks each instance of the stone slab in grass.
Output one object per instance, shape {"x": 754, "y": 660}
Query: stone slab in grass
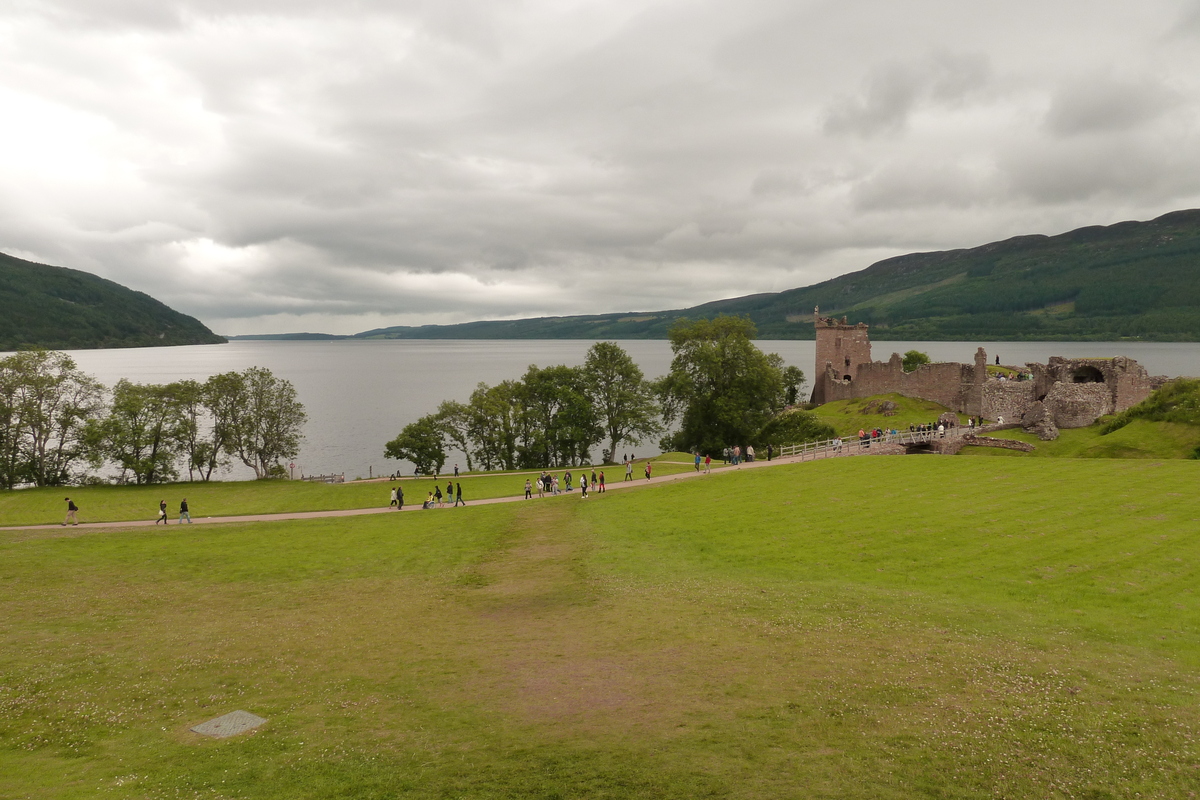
{"x": 230, "y": 724}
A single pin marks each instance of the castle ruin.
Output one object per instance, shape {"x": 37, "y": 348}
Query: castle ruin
{"x": 1064, "y": 393}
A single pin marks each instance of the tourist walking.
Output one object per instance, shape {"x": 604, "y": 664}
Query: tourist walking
{"x": 399, "y": 498}
{"x": 437, "y": 496}
{"x": 628, "y": 470}
{"x": 749, "y": 453}
{"x": 697, "y": 461}
{"x": 567, "y": 481}
{"x": 707, "y": 463}
{"x": 554, "y": 485}
{"x": 449, "y": 492}
{"x": 648, "y": 467}
{"x": 528, "y": 489}
{"x": 162, "y": 512}
{"x": 72, "y": 511}
{"x": 541, "y": 484}
{"x": 583, "y": 486}
{"x": 602, "y": 490}
{"x": 458, "y": 501}
{"x": 456, "y": 470}
{"x": 593, "y": 478}
{"x": 393, "y": 498}
{"x": 770, "y": 451}
{"x": 183, "y": 511}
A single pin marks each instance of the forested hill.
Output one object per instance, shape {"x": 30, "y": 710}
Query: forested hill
{"x": 65, "y": 309}
{"x": 1129, "y": 280}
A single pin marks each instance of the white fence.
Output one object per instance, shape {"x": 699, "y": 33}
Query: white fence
{"x": 850, "y": 446}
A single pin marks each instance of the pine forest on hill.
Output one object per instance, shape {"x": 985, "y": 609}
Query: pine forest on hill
{"x": 1131, "y": 280}
{"x": 66, "y": 309}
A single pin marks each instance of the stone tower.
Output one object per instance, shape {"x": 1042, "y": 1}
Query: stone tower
{"x": 839, "y": 345}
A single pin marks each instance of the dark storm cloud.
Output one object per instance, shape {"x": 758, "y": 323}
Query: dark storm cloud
{"x": 271, "y": 164}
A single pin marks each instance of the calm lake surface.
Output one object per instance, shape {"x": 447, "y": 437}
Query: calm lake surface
{"x": 359, "y": 394}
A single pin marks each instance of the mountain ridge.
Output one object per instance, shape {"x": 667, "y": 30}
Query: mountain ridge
{"x": 61, "y": 308}
{"x": 1129, "y": 280}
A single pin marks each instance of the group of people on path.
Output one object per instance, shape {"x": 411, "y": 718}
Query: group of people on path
{"x": 434, "y": 499}
{"x": 72, "y": 517}
{"x": 547, "y": 483}
{"x": 184, "y": 513}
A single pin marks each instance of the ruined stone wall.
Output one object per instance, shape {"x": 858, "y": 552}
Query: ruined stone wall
{"x": 1133, "y": 383}
{"x": 1008, "y": 399}
{"x": 946, "y": 383}
{"x": 1077, "y": 405}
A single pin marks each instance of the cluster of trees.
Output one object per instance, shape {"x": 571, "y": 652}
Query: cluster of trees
{"x": 551, "y": 417}
{"x": 55, "y": 421}
{"x": 721, "y": 391}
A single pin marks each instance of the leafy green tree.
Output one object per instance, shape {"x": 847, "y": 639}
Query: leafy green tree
{"x": 914, "y": 359}
{"x": 10, "y": 433}
{"x": 794, "y": 427}
{"x": 721, "y": 388}
{"x": 421, "y": 443}
{"x": 142, "y": 432}
{"x": 558, "y": 423}
{"x": 793, "y": 381}
{"x": 47, "y": 402}
{"x": 624, "y": 400}
{"x": 495, "y": 423}
{"x": 262, "y": 417}
{"x": 454, "y": 420}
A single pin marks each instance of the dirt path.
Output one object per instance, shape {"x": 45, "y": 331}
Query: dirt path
{"x": 622, "y": 485}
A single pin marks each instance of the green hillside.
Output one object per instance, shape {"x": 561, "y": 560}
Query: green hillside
{"x": 1138, "y": 280}
{"x": 66, "y": 309}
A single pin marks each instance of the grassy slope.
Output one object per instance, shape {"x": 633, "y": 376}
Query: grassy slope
{"x": 60, "y": 308}
{"x": 1138, "y": 439}
{"x": 849, "y": 416}
{"x": 859, "y": 628}
{"x": 229, "y": 498}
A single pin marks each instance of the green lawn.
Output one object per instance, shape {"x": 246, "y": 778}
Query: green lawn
{"x": 226, "y": 498}
{"x": 849, "y": 416}
{"x": 854, "y": 628}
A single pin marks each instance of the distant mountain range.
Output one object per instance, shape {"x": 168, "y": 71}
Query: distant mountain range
{"x": 65, "y": 309}
{"x": 1131, "y": 280}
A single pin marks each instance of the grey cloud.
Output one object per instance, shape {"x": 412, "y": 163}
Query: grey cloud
{"x": 894, "y": 89}
{"x": 1101, "y": 103}
{"x": 381, "y": 163}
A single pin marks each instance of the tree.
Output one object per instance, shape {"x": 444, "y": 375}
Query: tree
{"x": 721, "y": 388}
{"x": 793, "y": 380}
{"x": 558, "y": 423}
{"x": 454, "y": 420}
{"x": 624, "y": 400}
{"x": 142, "y": 432}
{"x": 421, "y": 443}
{"x": 264, "y": 418}
{"x": 794, "y": 427}
{"x": 47, "y": 402}
{"x": 913, "y": 359}
{"x": 495, "y": 423}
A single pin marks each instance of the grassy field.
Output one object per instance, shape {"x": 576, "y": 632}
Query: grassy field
{"x": 856, "y": 628}
{"x": 1139, "y": 439}
{"x": 231, "y": 498}
{"x": 849, "y": 416}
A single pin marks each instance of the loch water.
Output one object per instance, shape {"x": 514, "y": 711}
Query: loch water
{"x": 359, "y": 394}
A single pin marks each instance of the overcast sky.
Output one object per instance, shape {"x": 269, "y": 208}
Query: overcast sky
{"x": 286, "y": 165}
